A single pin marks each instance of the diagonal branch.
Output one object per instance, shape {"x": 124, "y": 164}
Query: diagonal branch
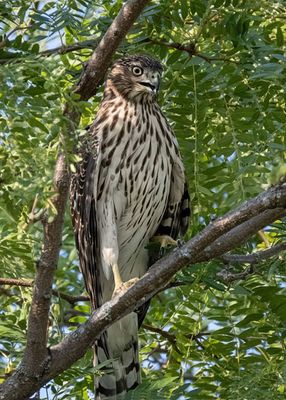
{"x": 36, "y": 357}
{"x": 265, "y": 208}
{"x": 241, "y": 233}
{"x": 102, "y": 56}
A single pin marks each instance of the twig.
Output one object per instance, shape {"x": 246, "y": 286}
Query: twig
{"x": 210, "y": 59}
{"x": 25, "y": 283}
{"x": 170, "y": 337}
{"x": 254, "y": 258}
{"x": 5, "y": 41}
{"x": 228, "y": 276}
{"x": 16, "y": 282}
{"x": 69, "y": 298}
{"x": 91, "y": 44}
{"x": 191, "y": 49}
{"x": 85, "y": 44}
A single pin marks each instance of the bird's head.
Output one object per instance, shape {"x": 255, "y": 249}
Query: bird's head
{"x": 135, "y": 77}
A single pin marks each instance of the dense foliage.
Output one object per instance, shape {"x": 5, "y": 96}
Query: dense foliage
{"x": 225, "y": 98}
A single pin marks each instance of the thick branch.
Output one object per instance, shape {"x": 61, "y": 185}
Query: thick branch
{"x": 161, "y": 273}
{"x": 63, "y": 355}
{"x": 240, "y": 234}
{"x": 36, "y": 358}
{"x": 101, "y": 58}
{"x": 36, "y": 351}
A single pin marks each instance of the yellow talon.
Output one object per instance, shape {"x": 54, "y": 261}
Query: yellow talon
{"x": 165, "y": 241}
{"x": 121, "y": 286}
{"x": 124, "y": 286}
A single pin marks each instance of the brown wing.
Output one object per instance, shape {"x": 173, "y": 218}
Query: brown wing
{"x": 83, "y": 212}
{"x": 175, "y": 221}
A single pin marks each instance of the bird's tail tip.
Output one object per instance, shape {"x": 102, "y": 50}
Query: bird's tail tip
{"x": 120, "y": 375}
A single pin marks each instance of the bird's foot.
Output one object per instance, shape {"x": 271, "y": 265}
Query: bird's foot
{"x": 165, "y": 241}
{"x": 122, "y": 287}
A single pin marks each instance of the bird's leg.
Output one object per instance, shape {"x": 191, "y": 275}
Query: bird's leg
{"x": 121, "y": 286}
{"x": 116, "y": 275}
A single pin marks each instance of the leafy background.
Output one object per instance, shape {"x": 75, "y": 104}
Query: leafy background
{"x": 227, "y": 107}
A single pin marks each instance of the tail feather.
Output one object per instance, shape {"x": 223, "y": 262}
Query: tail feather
{"x": 117, "y": 348}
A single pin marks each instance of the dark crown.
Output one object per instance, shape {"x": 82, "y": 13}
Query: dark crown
{"x": 145, "y": 61}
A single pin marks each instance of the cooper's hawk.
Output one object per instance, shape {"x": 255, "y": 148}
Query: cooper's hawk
{"x": 129, "y": 187}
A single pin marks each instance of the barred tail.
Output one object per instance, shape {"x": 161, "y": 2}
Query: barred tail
{"x": 118, "y": 350}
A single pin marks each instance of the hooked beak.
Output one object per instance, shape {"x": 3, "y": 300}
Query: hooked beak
{"x": 152, "y": 85}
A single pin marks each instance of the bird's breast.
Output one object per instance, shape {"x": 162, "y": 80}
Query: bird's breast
{"x": 135, "y": 179}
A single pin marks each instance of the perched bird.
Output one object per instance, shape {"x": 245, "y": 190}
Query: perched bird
{"x": 129, "y": 187}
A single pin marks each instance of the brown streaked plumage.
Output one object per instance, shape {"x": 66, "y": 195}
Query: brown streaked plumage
{"x": 129, "y": 187}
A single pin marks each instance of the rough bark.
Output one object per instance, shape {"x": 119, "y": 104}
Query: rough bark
{"x": 102, "y": 56}
{"x": 265, "y": 208}
{"x": 36, "y": 360}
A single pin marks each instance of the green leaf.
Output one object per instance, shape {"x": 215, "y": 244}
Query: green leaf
{"x": 279, "y": 37}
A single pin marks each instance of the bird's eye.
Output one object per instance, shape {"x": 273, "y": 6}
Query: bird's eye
{"x": 137, "y": 71}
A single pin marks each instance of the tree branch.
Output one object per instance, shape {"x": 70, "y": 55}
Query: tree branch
{"x": 102, "y": 56}
{"x": 240, "y": 233}
{"x": 25, "y": 283}
{"x": 171, "y": 338}
{"x": 85, "y": 44}
{"x": 228, "y": 276}
{"x": 36, "y": 351}
{"x": 254, "y": 258}
{"x": 92, "y": 43}
{"x": 190, "y": 49}
{"x": 36, "y": 359}
{"x": 267, "y": 207}
{"x": 15, "y": 282}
